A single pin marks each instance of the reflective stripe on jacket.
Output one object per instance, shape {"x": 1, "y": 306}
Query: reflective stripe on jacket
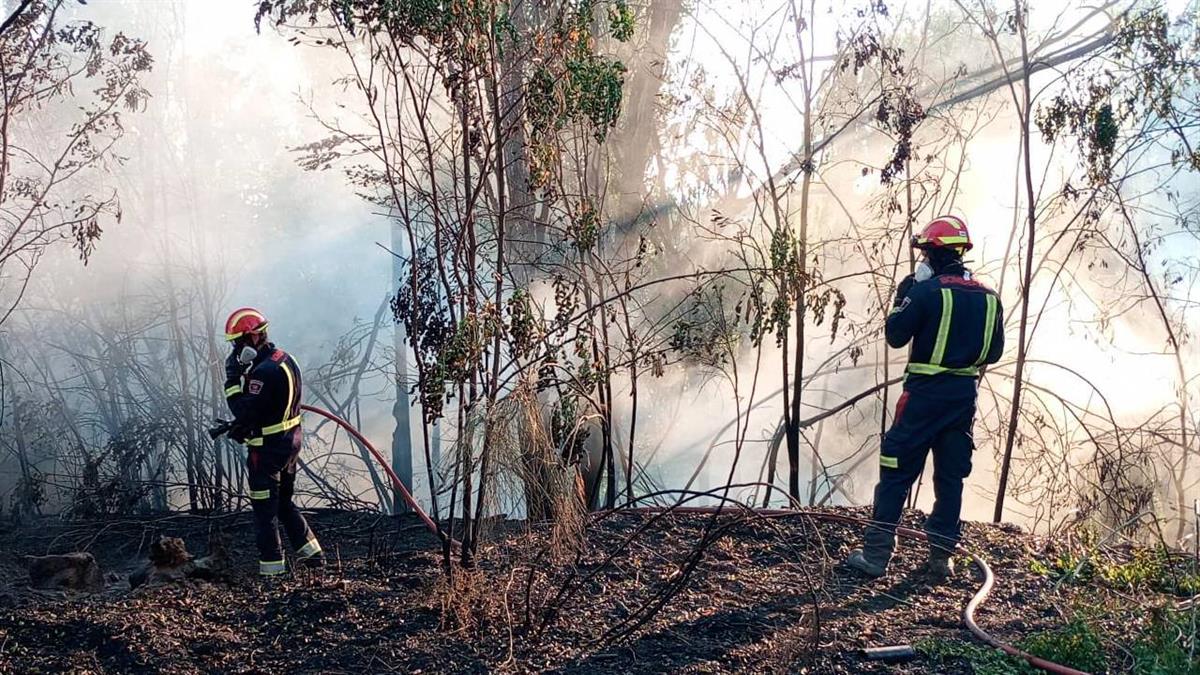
{"x": 267, "y": 400}
{"x": 955, "y": 325}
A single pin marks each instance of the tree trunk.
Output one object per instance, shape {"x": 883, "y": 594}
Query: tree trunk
{"x": 402, "y": 461}
{"x": 1027, "y": 281}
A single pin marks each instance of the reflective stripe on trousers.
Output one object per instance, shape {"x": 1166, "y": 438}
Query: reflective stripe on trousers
{"x": 313, "y": 547}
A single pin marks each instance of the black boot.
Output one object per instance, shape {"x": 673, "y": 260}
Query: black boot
{"x": 861, "y": 562}
{"x": 940, "y": 564}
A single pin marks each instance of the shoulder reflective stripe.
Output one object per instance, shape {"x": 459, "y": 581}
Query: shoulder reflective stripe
{"x": 235, "y": 389}
{"x": 989, "y": 326}
{"x": 260, "y": 494}
{"x": 931, "y": 369}
{"x": 269, "y": 568}
{"x": 287, "y": 410}
{"x": 889, "y": 462}
{"x": 939, "y": 347}
{"x": 310, "y": 549}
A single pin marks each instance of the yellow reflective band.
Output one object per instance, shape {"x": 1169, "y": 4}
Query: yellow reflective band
{"x": 230, "y": 337}
{"x": 930, "y": 369}
{"x": 270, "y": 568}
{"x": 939, "y": 347}
{"x": 274, "y": 429}
{"x": 235, "y": 389}
{"x": 946, "y": 241}
{"x": 260, "y": 494}
{"x": 282, "y": 426}
{"x": 287, "y": 410}
{"x": 889, "y": 462}
{"x": 989, "y": 326}
{"x": 310, "y": 549}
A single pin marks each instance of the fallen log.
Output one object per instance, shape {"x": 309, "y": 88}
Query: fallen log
{"x": 68, "y": 571}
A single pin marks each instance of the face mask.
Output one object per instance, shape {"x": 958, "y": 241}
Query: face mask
{"x": 923, "y": 271}
{"x": 247, "y": 355}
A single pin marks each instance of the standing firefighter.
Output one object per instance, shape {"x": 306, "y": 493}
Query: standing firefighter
{"x": 263, "y": 389}
{"x": 955, "y": 325}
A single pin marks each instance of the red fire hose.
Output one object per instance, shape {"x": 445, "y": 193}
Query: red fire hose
{"x": 408, "y": 498}
{"x": 968, "y": 613}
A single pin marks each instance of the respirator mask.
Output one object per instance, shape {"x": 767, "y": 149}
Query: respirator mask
{"x": 247, "y": 355}
{"x": 923, "y": 271}
{"x": 244, "y": 353}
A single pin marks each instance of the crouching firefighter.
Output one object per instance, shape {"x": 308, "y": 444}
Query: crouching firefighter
{"x": 263, "y": 388}
{"x": 955, "y": 325}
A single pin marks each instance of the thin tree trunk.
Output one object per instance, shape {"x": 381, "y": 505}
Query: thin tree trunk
{"x": 1027, "y": 281}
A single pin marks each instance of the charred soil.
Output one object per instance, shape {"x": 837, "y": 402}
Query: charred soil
{"x": 638, "y": 593}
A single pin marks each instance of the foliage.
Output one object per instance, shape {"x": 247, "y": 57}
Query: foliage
{"x": 1156, "y": 650}
{"x": 113, "y": 482}
{"x": 1163, "y": 648}
{"x": 1076, "y": 645}
{"x": 1152, "y": 66}
{"x": 703, "y": 334}
{"x": 567, "y": 430}
{"x": 427, "y": 322}
{"x": 1155, "y": 569}
{"x": 984, "y": 660}
{"x": 54, "y": 185}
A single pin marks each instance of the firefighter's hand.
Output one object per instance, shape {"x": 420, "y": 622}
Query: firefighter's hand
{"x": 233, "y": 368}
{"x": 903, "y": 288}
{"x": 238, "y": 433}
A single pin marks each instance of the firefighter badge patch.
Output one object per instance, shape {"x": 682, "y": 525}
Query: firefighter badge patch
{"x": 255, "y": 386}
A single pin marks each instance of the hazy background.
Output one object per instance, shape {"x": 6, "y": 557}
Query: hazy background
{"x": 214, "y": 201}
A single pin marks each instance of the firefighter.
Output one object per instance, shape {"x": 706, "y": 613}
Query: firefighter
{"x": 955, "y": 325}
{"x": 263, "y": 387}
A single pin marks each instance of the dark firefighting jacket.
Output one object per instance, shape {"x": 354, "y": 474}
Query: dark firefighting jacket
{"x": 265, "y": 402}
{"x": 955, "y": 323}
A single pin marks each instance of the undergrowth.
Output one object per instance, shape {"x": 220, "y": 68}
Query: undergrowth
{"x": 1156, "y": 635}
{"x": 1163, "y": 647}
{"x": 1157, "y": 569}
{"x": 984, "y": 660}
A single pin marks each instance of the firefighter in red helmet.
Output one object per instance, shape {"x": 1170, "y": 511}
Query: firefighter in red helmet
{"x": 263, "y": 388}
{"x": 953, "y": 324}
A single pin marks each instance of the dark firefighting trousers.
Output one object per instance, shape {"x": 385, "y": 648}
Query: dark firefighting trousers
{"x": 271, "y": 474}
{"x": 933, "y": 413}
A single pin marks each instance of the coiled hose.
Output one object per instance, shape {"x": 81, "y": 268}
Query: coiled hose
{"x": 968, "y": 613}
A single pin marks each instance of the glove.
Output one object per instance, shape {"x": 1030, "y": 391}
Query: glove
{"x": 903, "y": 288}
{"x": 238, "y": 433}
{"x": 233, "y": 368}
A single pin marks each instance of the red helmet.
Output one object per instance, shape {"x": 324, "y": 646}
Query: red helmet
{"x": 246, "y": 320}
{"x": 944, "y": 232}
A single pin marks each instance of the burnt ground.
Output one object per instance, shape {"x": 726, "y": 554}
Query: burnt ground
{"x": 767, "y": 595}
